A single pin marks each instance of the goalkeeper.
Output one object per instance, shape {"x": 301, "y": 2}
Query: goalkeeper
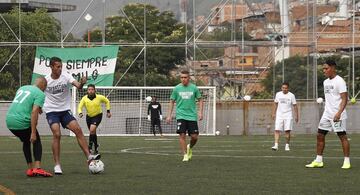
{"x": 92, "y": 103}
{"x": 156, "y": 115}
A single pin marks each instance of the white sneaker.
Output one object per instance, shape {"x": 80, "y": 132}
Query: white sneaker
{"x": 186, "y": 158}
{"x": 274, "y": 148}
{"x": 57, "y": 170}
{"x": 287, "y": 147}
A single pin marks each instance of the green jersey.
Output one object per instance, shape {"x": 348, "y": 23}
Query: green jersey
{"x": 18, "y": 116}
{"x": 185, "y": 98}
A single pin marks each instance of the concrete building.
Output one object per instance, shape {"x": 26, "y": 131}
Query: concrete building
{"x": 29, "y": 6}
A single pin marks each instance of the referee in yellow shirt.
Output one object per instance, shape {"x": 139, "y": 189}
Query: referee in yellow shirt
{"x": 92, "y": 103}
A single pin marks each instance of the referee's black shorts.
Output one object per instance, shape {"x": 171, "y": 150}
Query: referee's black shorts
{"x": 95, "y": 120}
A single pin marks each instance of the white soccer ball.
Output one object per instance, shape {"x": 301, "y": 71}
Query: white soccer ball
{"x": 319, "y": 100}
{"x": 217, "y": 132}
{"x": 96, "y": 166}
{"x": 148, "y": 98}
{"x": 247, "y": 98}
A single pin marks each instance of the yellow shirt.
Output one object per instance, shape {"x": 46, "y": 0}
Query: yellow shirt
{"x": 93, "y": 107}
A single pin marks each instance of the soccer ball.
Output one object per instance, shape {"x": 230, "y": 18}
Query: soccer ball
{"x": 320, "y": 100}
{"x": 247, "y": 98}
{"x": 217, "y": 132}
{"x": 96, "y": 166}
{"x": 353, "y": 100}
{"x": 148, "y": 98}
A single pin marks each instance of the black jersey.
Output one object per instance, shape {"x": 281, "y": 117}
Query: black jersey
{"x": 155, "y": 109}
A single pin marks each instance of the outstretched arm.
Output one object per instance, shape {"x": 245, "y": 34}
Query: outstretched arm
{"x": 79, "y": 85}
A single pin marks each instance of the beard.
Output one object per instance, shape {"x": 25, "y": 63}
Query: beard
{"x": 91, "y": 96}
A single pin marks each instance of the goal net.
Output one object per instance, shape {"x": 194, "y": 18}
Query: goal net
{"x": 129, "y": 109}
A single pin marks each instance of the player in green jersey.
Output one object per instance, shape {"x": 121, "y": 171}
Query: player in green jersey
{"x": 185, "y": 96}
{"x": 22, "y": 119}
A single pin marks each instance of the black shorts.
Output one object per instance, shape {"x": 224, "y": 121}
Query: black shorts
{"x": 185, "y": 126}
{"x": 95, "y": 120}
{"x": 23, "y": 134}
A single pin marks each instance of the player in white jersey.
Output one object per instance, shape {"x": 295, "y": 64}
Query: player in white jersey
{"x": 283, "y": 115}
{"x": 334, "y": 116}
{"x": 57, "y": 109}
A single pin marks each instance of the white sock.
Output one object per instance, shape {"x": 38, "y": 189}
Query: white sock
{"x": 346, "y": 159}
{"x": 276, "y": 144}
{"x": 287, "y": 145}
{"x": 319, "y": 158}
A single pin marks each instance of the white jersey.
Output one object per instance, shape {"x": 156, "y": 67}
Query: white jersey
{"x": 285, "y": 103}
{"x": 58, "y": 97}
{"x": 332, "y": 89}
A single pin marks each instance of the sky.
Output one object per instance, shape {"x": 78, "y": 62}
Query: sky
{"x": 112, "y": 7}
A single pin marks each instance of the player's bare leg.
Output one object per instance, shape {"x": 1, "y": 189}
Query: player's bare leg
{"x": 276, "y": 140}
{"x": 346, "y": 150}
{"x": 55, "y": 128}
{"x": 194, "y": 139}
{"x": 320, "y": 144}
{"x": 287, "y": 136}
{"x": 76, "y": 129}
{"x": 182, "y": 141}
{"x": 345, "y": 145}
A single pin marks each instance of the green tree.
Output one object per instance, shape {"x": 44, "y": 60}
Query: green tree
{"x": 36, "y": 26}
{"x": 296, "y": 73}
{"x": 161, "y": 27}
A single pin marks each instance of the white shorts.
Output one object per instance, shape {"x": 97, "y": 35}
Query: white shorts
{"x": 283, "y": 124}
{"x": 330, "y": 125}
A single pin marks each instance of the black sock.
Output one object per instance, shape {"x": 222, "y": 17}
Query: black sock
{"x": 37, "y": 148}
{"x": 91, "y": 141}
{"x": 95, "y": 142}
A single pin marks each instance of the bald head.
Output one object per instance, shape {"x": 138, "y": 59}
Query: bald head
{"x": 41, "y": 83}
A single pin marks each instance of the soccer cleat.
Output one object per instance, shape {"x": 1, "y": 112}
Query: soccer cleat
{"x": 96, "y": 151}
{"x": 346, "y": 166}
{"x": 94, "y": 157}
{"x": 30, "y": 173}
{"x": 57, "y": 170}
{"x": 287, "y": 147}
{"x": 41, "y": 172}
{"x": 189, "y": 151}
{"x": 315, "y": 164}
{"x": 186, "y": 158}
{"x": 274, "y": 148}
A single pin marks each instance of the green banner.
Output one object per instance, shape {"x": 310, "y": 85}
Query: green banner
{"x": 96, "y": 63}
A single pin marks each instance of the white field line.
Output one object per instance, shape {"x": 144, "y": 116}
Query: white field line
{"x": 162, "y": 153}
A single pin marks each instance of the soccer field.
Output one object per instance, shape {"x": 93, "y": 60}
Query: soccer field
{"x": 220, "y": 165}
